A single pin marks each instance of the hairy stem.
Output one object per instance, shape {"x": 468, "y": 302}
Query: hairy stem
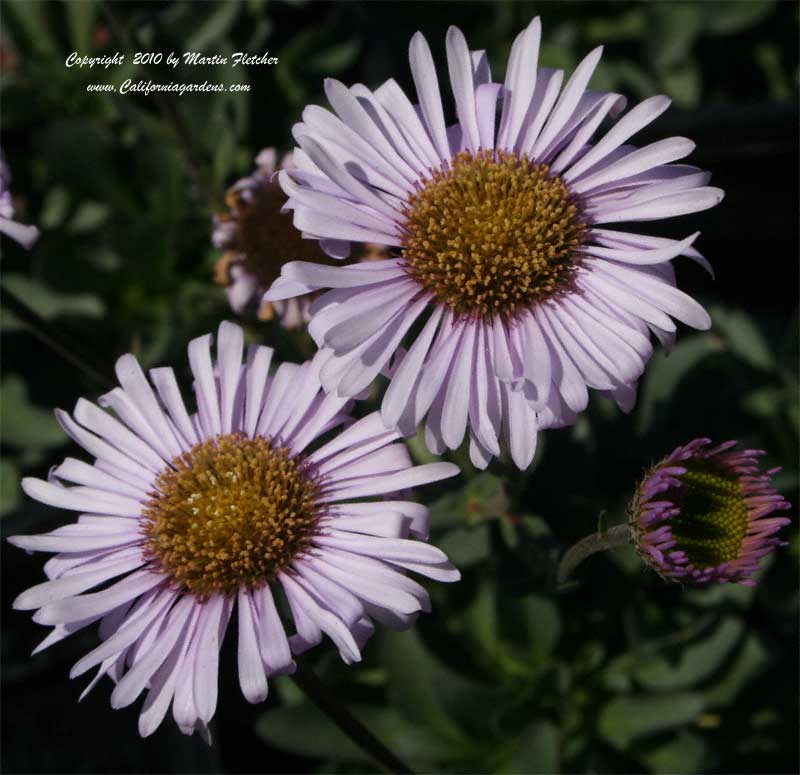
{"x": 619, "y": 535}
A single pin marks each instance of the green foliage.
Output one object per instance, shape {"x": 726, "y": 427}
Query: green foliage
{"x": 23, "y": 424}
{"x": 628, "y": 718}
{"x": 620, "y": 672}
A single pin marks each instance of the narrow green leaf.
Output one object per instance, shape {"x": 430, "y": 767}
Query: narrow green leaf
{"x": 693, "y": 662}
{"x": 466, "y": 546}
{"x": 81, "y": 18}
{"x": 10, "y": 492}
{"x": 47, "y": 303}
{"x": 686, "y": 752}
{"x": 537, "y": 751}
{"x": 743, "y": 337}
{"x": 424, "y": 688}
{"x": 749, "y": 662}
{"x": 23, "y": 424}
{"x": 305, "y": 731}
{"x": 627, "y": 718}
{"x": 218, "y": 19}
{"x": 666, "y": 371}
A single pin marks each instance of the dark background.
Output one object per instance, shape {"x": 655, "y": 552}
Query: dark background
{"x": 622, "y": 673}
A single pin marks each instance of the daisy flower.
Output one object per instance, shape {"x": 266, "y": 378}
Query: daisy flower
{"x": 249, "y": 504}
{"x": 24, "y": 235}
{"x": 258, "y": 237}
{"x": 508, "y": 288}
{"x": 707, "y": 514}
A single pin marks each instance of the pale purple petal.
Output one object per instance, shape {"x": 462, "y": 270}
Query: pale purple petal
{"x": 426, "y": 82}
{"x": 520, "y": 84}
{"x": 252, "y": 677}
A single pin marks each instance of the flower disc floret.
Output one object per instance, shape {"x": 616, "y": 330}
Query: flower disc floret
{"x": 229, "y": 513}
{"x": 712, "y": 522}
{"x": 492, "y": 232}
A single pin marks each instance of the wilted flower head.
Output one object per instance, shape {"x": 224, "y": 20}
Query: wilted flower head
{"x": 521, "y": 299}
{"x": 258, "y": 237}
{"x": 707, "y": 514}
{"x": 25, "y": 235}
{"x": 242, "y": 505}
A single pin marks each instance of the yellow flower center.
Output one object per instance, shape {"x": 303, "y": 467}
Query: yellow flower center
{"x": 713, "y": 520}
{"x": 492, "y": 233}
{"x": 231, "y": 512}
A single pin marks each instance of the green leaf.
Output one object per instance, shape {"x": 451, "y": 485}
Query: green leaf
{"x": 31, "y": 18}
{"x": 479, "y": 622}
{"x": 335, "y": 59}
{"x": 694, "y": 662}
{"x": 483, "y": 498}
{"x": 486, "y": 498}
{"x": 542, "y": 623}
{"x": 683, "y": 83}
{"x": 768, "y": 56}
{"x": 673, "y": 29}
{"x": 686, "y": 752}
{"x": 764, "y": 402}
{"x": 305, "y": 731}
{"x": 47, "y": 303}
{"x": 725, "y": 18}
{"x": 719, "y": 595}
{"x": 88, "y": 217}
{"x": 54, "y": 208}
{"x": 590, "y": 657}
{"x": 751, "y": 660}
{"x": 555, "y": 55}
{"x": 628, "y": 718}
{"x": 215, "y": 25}
{"x": 422, "y": 687}
{"x": 81, "y": 16}
{"x": 224, "y": 154}
{"x": 743, "y": 337}
{"x": 23, "y": 424}
{"x": 538, "y": 750}
{"x": 618, "y": 673}
{"x": 629, "y": 76}
{"x": 466, "y": 546}
{"x": 666, "y": 372}
{"x": 628, "y": 25}
{"x": 10, "y": 491}
{"x": 419, "y": 449}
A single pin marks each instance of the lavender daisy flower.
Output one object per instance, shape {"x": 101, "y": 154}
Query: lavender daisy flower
{"x": 24, "y": 235}
{"x": 242, "y": 505}
{"x": 707, "y": 515}
{"x": 513, "y": 295}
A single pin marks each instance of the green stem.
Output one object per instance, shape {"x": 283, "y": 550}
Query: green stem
{"x": 619, "y": 535}
{"x": 327, "y": 702}
{"x": 51, "y": 337}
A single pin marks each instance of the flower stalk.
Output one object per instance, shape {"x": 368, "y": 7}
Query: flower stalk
{"x": 613, "y": 538}
{"x": 324, "y": 699}
{"x": 52, "y": 337}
